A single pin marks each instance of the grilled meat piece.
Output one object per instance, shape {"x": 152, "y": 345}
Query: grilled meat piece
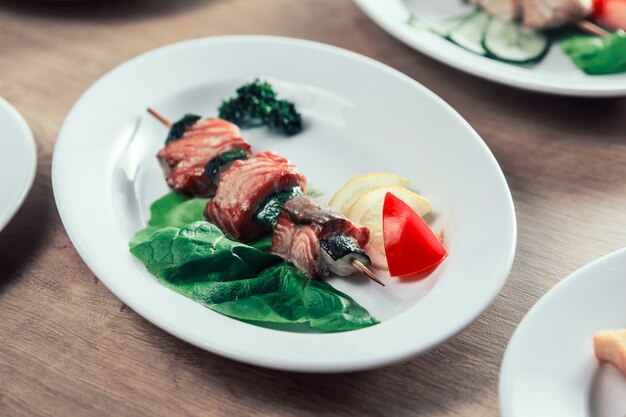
{"x": 318, "y": 240}
{"x": 551, "y": 13}
{"x": 537, "y": 13}
{"x": 183, "y": 160}
{"x": 505, "y": 9}
{"x": 245, "y": 185}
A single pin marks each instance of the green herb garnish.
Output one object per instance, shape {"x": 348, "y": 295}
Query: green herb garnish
{"x": 256, "y": 105}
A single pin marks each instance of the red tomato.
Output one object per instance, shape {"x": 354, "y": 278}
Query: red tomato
{"x": 611, "y": 13}
{"x": 410, "y": 245}
{"x": 598, "y": 7}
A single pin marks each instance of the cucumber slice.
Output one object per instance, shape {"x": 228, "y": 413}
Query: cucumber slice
{"x": 418, "y": 22}
{"x": 440, "y": 27}
{"x": 470, "y": 33}
{"x": 446, "y": 27}
{"x": 512, "y": 42}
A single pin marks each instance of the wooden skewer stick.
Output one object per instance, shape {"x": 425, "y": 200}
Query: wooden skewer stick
{"x": 361, "y": 267}
{"x": 357, "y": 264}
{"x": 592, "y": 28}
{"x": 160, "y": 118}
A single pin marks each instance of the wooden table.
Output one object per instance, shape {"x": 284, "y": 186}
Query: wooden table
{"x": 68, "y": 347}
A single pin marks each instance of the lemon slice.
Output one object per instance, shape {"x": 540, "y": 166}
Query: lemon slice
{"x": 354, "y": 189}
{"x": 368, "y": 211}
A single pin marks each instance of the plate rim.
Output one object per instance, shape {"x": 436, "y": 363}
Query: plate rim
{"x": 571, "y": 280}
{"x": 29, "y": 139}
{"x": 274, "y": 363}
{"x": 504, "y": 77}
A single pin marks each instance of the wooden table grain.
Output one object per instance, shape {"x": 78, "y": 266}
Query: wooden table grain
{"x": 68, "y": 347}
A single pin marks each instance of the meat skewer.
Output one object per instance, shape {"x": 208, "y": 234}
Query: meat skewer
{"x": 544, "y": 13}
{"x": 592, "y": 28}
{"x": 316, "y": 239}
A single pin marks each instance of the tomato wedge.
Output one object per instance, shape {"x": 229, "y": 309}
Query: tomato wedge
{"x": 411, "y": 247}
{"x": 611, "y": 13}
{"x": 597, "y": 7}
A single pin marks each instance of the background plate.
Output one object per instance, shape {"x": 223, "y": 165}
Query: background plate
{"x": 19, "y": 161}
{"x": 549, "y": 368}
{"x": 555, "y": 74}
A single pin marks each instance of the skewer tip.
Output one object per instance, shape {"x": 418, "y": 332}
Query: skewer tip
{"x": 364, "y": 269}
{"x": 592, "y": 28}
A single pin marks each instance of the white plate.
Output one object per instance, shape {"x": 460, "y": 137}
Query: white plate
{"x": 555, "y": 74}
{"x": 19, "y": 161}
{"x": 549, "y": 368}
{"x": 360, "y": 116}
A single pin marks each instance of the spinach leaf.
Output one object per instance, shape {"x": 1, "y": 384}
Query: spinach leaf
{"x": 597, "y": 55}
{"x": 172, "y": 210}
{"x": 281, "y": 294}
{"x": 194, "y": 258}
{"x": 199, "y": 252}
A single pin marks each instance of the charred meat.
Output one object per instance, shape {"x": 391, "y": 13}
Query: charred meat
{"x": 243, "y": 187}
{"x": 538, "y": 13}
{"x": 318, "y": 240}
{"x": 184, "y": 158}
{"x": 504, "y": 9}
{"x": 551, "y": 13}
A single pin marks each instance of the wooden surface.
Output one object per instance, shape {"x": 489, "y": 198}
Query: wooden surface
{"x": 68, "y": 347}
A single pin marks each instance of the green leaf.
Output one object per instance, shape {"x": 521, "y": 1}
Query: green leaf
{"x": 172, "y": 210}
{"x": 198, "y": 252}
{"x": 597, "y": 55}
{"x": 193, "y": 257}
{"x": 281, "y": 294}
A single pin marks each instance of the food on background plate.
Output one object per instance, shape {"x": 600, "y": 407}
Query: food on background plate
{"x": 522, "y": 31}
{"x": 541, "y": 13}
{"x": 505, "y": 9}
{"x": 611, "y": 13}
{"x": 610, "y": 347}
{"x": 598, "y": 55}
{"x": 480, "y": 33}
